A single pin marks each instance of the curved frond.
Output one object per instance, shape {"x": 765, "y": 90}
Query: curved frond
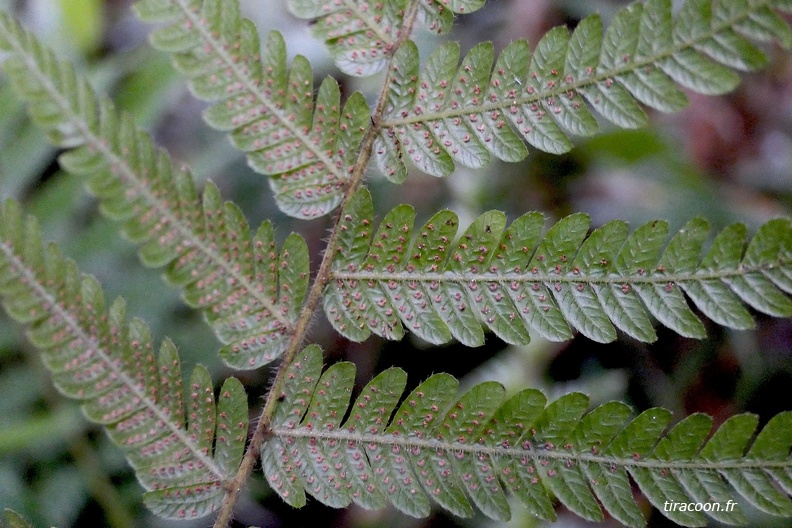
{"x": 249, "y": 293}
{"x": 14, "y": 520}
{"x": 444, "y": 114}
{"x": 513, "y": 279}
{"x": 361, "y": 35}
{"x": 473, "y": 448}
{"x": 308, "y": 149}
{"x": 182, "y": 443}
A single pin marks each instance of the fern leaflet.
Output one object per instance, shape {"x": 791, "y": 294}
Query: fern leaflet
{"x": 361, "y": 35}
{"x": 445, "y": 115}
{"x": 452, "y": 449}
{"x": 250, "y": 294}
{"x": 14, "y": 520}
{"x": 98, "y": 357}
{"x": 513, "y": 280}
{"x": 308, "y": 149}
{"x": 187, "y": 446}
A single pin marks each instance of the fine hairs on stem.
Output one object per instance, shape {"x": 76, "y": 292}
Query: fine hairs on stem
{"x": 190, "y": 440}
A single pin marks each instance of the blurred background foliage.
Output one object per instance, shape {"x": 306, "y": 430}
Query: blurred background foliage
{"x": 728, "y": 159}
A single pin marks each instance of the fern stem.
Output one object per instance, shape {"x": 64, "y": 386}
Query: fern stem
{"x": 323, "y": 277}
{"x": 575, "y": 84}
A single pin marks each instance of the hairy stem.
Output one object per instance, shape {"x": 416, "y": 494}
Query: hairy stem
{"x": 262, "y": 430}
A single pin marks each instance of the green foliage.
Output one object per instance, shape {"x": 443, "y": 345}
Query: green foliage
{"x": 181, "y": 443}
{"x": 189, "y": 447}
{"x": 308, "y": 148}
{"x": 362, "y": 35}
{"x": 14, "y": 520}
{"x": 249, "y": 293}
{"x": 435, "y": 444}
{"x": 445, "y": 115}
{"x": 514, "y": 279}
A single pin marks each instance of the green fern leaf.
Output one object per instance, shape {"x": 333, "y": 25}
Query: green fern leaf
{"x": 445, "y": 115}
{"x": 361, "y": 35}
{"x": 14, "y": 520}
{"x": 512, "y": 280}
{"x": 268, "y": 109}
{"x": 358, "y": 34}
{"x": 96, "y": 356}
{"x": 223, "y": 269}
{"x": 477, "y": 446}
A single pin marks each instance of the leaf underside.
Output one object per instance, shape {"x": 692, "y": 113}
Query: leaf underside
{"x": 473, "y": 448}
{"x": 307, "y": 148}
{"x": 185, "y": 443}
{"x": 182, "y": 442}
{"x": 448, "y": 114}
{"x": 514, "y": 280}
{"x": 361, "y": 34}
{"x": 14, "y": 520}
{"x": 249, "y": 292}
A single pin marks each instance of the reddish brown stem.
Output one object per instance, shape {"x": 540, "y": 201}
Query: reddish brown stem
{"x": 234, "y": 488}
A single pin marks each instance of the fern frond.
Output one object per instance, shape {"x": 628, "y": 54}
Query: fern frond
{"x": 445, "y": 115}
{"x": 361, "y": 35}
{"x": 250, "y": 294}
{"x": 307, "y": 149}
{"x": 14, "y": 520}
{"x": 512, "y": 280}
{"x": 453, "y": 449}
{"x": 182, "y": 450}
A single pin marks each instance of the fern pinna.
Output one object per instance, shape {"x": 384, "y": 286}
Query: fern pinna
{"x": 435, "y": 444}
{"x": 308, "y": 148}
{"x": 194, "y": 458}
{"x": 182, "y": 451}
{"x": 15, "y": 520}
{"x": 513, "y": 280}
{"x": 249, "y": 292}
{"x": 444, "y": 115}
{"x": 361, "y": 36}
